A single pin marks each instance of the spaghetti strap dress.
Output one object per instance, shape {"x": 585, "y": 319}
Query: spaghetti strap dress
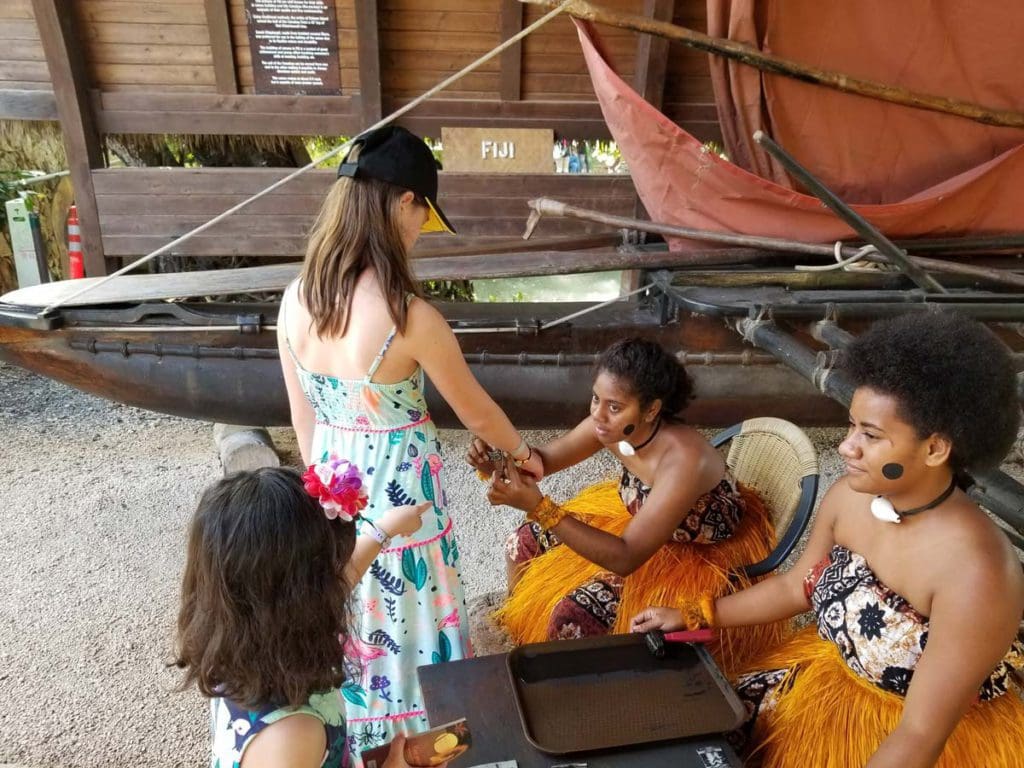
{"x": 410, "y": 608}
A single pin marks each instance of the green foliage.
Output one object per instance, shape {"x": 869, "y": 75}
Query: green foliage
{"x": 317, "y": 146}
{"x": 449, "y": 290}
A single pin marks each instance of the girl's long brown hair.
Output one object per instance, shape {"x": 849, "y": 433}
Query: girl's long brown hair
{"x": 357, "y": 229}
{"x": 264, "y": 603}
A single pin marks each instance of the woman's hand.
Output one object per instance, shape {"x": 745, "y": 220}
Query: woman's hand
{"x": 478, "y": 457}
{"x": 405, "y": 520}
{"x": 396, "y": 755}
{"x": 513, "y": 489}
{"x": 667, "y": 619}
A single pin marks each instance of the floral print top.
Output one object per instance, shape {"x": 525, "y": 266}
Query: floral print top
{"x": 234, "y": 727}
{"x": 878, "y": 633}
{"x": 713, "y": 517}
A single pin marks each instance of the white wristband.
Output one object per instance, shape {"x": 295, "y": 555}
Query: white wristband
{"x": 376, "y": 533}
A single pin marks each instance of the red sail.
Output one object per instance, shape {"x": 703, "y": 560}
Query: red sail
{"x": 681, "y": 183}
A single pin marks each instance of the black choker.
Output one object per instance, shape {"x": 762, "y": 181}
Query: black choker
{"x": 883, "y": 509}
{"x": 628, "y": 449}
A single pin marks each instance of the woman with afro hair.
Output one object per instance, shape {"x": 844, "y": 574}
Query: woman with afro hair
{"x": 674, "y": 526}
{"x": 917, "y": 594}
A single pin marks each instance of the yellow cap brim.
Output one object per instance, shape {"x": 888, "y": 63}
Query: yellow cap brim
{"x": 435, "y": 221}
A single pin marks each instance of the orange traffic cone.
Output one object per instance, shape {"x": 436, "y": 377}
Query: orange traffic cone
{"x": 76, "y": 263}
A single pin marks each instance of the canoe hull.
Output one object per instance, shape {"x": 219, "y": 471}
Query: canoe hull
{"x": 541, "y": 379}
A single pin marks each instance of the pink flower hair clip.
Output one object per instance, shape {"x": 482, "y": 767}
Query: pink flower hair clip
{"x": 338, "y": 485}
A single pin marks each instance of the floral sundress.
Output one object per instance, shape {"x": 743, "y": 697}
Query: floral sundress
{"x": 410, "y": 606}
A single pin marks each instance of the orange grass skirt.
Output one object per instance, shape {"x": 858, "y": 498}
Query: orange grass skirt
{"x": 826, "y": 716}
{"x": 676, "y": 572}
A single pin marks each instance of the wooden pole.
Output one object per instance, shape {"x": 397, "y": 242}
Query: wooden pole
{"x": 545, "y": 206}
{"x": 767, "y": 62}
{"x": 850, "y": 217}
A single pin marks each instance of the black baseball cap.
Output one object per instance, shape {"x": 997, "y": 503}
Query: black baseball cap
{"x": 395, "y": 155}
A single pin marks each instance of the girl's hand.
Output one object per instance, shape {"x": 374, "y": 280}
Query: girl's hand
{"x": 477, "y": 456}
{"x": 534, "y": 466}
{"x": 404, "y": 521}
{"x": 396, "y": 755}
{"x": 667, "y": 619}
{"x": 514, "y": 489}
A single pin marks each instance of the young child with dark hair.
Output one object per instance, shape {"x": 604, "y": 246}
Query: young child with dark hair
{"x": 264, "y": 616}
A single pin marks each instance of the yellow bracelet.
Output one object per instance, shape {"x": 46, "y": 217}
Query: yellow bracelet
{"x": 699, "y": 613}
{"x": 547, "y": 514}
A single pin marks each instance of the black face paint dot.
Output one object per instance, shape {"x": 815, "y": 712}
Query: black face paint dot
{"x": 892, "y": 471}
{"x": 629, "y": 429}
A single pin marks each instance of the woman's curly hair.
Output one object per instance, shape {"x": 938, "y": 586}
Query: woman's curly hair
{"x": 651, "y": 372}
{"x": 950, "y": 375}
{"x": 264, "y": 602}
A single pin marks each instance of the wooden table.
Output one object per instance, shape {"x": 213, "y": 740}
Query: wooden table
{"x": 480, "y": 690}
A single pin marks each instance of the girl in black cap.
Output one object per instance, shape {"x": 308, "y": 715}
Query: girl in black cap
{"x": 356, "y": 339}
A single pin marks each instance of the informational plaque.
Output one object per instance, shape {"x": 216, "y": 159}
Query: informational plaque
{"x": 498, "y": 150}
{"x": 294, "y": 46}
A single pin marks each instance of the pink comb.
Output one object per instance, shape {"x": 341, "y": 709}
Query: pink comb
{"x": 691, "y": 636}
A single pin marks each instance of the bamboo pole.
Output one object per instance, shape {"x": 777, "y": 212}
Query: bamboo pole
{"x": 850, "y": 217}
{"x": 545, "y": 206}
{"x": 767, "y": 62}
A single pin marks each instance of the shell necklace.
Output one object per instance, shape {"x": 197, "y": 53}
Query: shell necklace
{"x": 626, "y": 448}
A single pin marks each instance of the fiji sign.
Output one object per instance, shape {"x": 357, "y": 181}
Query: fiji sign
{"x": 498, "y": 150}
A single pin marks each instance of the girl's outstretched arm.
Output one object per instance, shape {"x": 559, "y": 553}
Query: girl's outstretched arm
{"x": 566, "y": 450}
{"x": 432, "y": 344}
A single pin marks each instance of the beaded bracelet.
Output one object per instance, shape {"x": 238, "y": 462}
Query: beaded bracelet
{"x": 547, "y": 514}
{"x": 699, "y": 613}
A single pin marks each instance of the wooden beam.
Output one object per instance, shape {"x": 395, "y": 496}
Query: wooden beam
{"x": 511, "y": 58}
{"x": 652, "y": 55}
{"x": 27, "y": 105}
{"x": 219, "y": 24}
{"x": 368, "y": 30}
{"x": 64, "y": 58}
{"x": 143, "y": 112}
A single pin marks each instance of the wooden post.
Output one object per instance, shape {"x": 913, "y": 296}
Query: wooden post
{"x": 244, "y": 448}
{"x": 368, "y": 28}
{"x": 220, "y": 42}
{"x": 649, "y": 82}
{"x": 64, "y": 58}
{"x": 652, "y": 55}
{"x": 511, "y": 58}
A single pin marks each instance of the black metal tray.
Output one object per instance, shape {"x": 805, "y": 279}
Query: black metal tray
{"x": 599, "y": 693}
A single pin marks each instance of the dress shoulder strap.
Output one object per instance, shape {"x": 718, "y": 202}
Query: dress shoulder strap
{"x": 384, "y": 347}
{"x": 380, "y": 355}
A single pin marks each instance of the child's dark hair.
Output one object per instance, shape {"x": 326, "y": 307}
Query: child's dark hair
{"x": 950, "y": 375}
{"x": 264, "y": 603}
{"x": 650, "y": 372}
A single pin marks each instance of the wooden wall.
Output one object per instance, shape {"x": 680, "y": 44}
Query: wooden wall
{"x": 184, "y": 66}
{"x": 26, "y": 92}
{"x": 141, "y": 209}
{"x": 173, "y": 66}
{"x": 146, "y": 45}
{"x": 22, "y": 63}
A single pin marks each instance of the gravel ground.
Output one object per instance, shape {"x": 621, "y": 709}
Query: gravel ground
{"x": 95, "y": 499}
